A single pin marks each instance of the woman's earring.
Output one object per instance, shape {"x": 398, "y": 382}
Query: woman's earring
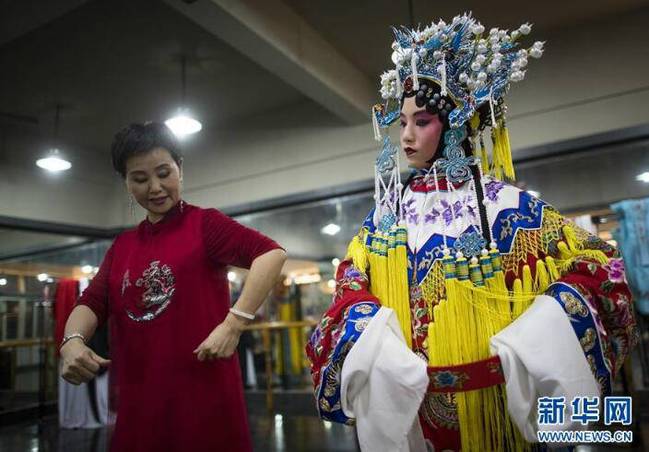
{"x": 131, "y": 206}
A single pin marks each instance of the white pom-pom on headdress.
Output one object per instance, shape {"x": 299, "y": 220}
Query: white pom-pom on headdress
{"x": 469, "y": 65}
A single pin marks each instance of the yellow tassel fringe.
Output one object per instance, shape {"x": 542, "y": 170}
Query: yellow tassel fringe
{"x": 468, "y": 315}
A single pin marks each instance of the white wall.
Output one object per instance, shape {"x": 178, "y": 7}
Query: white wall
{"x": 84, "y": 195}
{"x": 580, "y": 65}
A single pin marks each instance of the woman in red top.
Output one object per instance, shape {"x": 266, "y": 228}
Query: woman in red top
{"x": 164, "y": 285}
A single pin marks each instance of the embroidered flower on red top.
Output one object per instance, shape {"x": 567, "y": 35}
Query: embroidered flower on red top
{"x": 615, "y": 270}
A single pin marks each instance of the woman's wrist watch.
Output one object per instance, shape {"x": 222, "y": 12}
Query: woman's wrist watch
{"x": 69, "y": 337}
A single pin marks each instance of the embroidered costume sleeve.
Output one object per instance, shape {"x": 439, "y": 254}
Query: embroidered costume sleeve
{"x": 582, "y": 296}
{"x": 546, "y": 253}
{"x": 352, "y": 308}
{"x": 593, "y": 292}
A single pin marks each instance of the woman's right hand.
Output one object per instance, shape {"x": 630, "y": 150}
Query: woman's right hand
{"x": 80, "y": 363}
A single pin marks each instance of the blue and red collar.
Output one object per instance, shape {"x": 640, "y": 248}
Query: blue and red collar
{"x": 423, "y": 181}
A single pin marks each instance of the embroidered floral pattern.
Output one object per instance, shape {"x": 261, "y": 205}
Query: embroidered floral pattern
{"x": 615, "y": 270}
{"x": 439, "y": 409}
{"x": 364, "y": 309}
{"x": 587, "y": 341}
{"x": 431, "y": 217}
{"x": 445, "y": 210}
{"x": 573, "y": 305}
{"x": 410, "y": 211}
{"x": 352, "y": 279}
{"x": 510, "y": 221}
{"x": 126, "y": 283}
{"x": 451, "y": 210}
{"x": 448, "y": 379}
{"x": 419, "y": 311}
{"x": 361, "y": 324}
{"x": 159, "y": 286}
{"x": 492, "y": 188}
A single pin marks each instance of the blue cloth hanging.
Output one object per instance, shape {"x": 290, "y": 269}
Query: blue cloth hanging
{"x": 633, "y": 240}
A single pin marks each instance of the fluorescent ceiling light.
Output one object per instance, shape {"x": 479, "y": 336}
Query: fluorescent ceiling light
{"x": 331, "y": 229}
{"x": 42, "y": 277}
{"x": 644, "y": 177}
{"x": 182, "y": 125}
{"x": 53, "y": 162}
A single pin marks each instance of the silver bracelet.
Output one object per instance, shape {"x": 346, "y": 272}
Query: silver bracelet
{"x": 245, "y": 315}
{"x": 71, "y": 336}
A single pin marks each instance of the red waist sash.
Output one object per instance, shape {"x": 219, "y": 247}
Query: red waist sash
{"x": 466, "y": 377}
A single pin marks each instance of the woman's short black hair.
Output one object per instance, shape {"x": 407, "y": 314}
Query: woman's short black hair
{"x": 139, "y": 138}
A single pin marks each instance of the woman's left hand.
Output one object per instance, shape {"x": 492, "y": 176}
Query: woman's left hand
{"x": 222, "y": 341}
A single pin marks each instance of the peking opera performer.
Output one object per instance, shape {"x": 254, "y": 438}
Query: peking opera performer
{"x": 463, "y": 299}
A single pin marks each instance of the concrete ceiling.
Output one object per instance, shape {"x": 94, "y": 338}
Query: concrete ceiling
{"x": 109, "y": 63}
{"x": 361, "y": 30}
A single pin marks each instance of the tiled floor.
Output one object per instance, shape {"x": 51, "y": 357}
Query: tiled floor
{"x": 270, "y": 434}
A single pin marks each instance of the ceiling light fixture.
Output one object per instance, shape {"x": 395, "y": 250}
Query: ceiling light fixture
{"x": 54, "y": 161}
{"x": 331, "y": 229}
{"x": 3, "y": 281}
{"x": 42, "y": 277}
{"x": 643, "y": 177}
{"x": 183, "y": 124}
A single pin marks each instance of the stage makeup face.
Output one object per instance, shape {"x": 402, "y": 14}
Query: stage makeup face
{"x": 154, "y": 179}
{"x": 420, "y": 133}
